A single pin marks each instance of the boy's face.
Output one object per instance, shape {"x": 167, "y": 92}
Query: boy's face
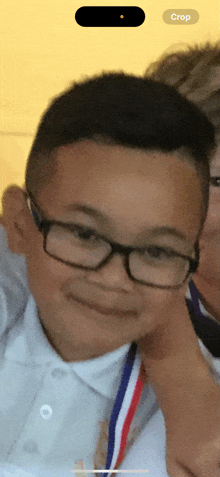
{"x": 135, "y": 190}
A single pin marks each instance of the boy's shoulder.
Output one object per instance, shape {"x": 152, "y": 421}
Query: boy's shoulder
{"x": 14, "y": 290}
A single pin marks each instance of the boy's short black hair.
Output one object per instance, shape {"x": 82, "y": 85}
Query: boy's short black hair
{"x": 121, "y": 109}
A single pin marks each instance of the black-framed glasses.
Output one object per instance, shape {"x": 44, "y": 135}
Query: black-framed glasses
{"x": 81, "y": 247}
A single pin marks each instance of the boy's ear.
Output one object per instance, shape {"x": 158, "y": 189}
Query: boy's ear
{"x": 13, "y": 218}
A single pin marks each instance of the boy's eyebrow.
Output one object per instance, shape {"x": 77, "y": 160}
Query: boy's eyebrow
{"x": 161, "y": 230}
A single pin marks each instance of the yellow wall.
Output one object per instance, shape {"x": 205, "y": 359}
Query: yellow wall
{"x": 43, "y": 50}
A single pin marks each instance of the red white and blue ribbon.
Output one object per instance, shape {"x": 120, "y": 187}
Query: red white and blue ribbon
{"x": 127, "y": 400}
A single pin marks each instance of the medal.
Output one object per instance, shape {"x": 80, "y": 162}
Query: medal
{"x": 127, "y": 400}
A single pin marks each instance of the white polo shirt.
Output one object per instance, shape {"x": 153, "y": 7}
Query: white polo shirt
{"x": 50, "y": 409}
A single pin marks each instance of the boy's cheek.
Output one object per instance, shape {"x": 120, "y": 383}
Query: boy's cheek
{"x": 184, "y": 289}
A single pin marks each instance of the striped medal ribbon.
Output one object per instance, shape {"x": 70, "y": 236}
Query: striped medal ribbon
{"x": 126, "y": 402}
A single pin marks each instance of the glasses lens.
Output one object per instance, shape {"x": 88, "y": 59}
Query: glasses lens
{"x": 77, "y": 246}
{"x": 154, "y": 265}
{"x": 157, "y": 266}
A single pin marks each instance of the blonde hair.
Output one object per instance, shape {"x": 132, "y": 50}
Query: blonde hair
{"x": 195, "y": 73}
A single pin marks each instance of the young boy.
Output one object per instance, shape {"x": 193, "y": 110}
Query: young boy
{"x": 115, "y": 197}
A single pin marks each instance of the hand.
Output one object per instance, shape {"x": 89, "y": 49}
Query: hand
{"x": 186, "y": 393}
{"x": 193, "y": 438}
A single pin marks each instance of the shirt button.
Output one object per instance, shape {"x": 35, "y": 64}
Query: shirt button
{"x": 30, "y": 446}
{"x": 58, "y": 373}
{"x": 46, "y": 411}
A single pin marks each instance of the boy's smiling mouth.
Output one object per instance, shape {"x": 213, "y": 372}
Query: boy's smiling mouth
{"x": 104, "y": 310}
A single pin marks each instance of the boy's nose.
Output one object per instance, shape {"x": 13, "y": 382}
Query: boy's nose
{"x": 113, "y": 274}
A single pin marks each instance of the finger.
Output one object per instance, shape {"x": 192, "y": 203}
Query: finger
{"x": 179, "y": 470}
{"x": 208, "y": 462}
{"x": 202, "y": 462}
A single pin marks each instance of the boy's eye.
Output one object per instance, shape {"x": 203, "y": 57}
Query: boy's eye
{"x": 84, "y": 234}
{"x": 159, "y": 253}
{"x": 215, "y": 181}
{"x": 85, "y": 237}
